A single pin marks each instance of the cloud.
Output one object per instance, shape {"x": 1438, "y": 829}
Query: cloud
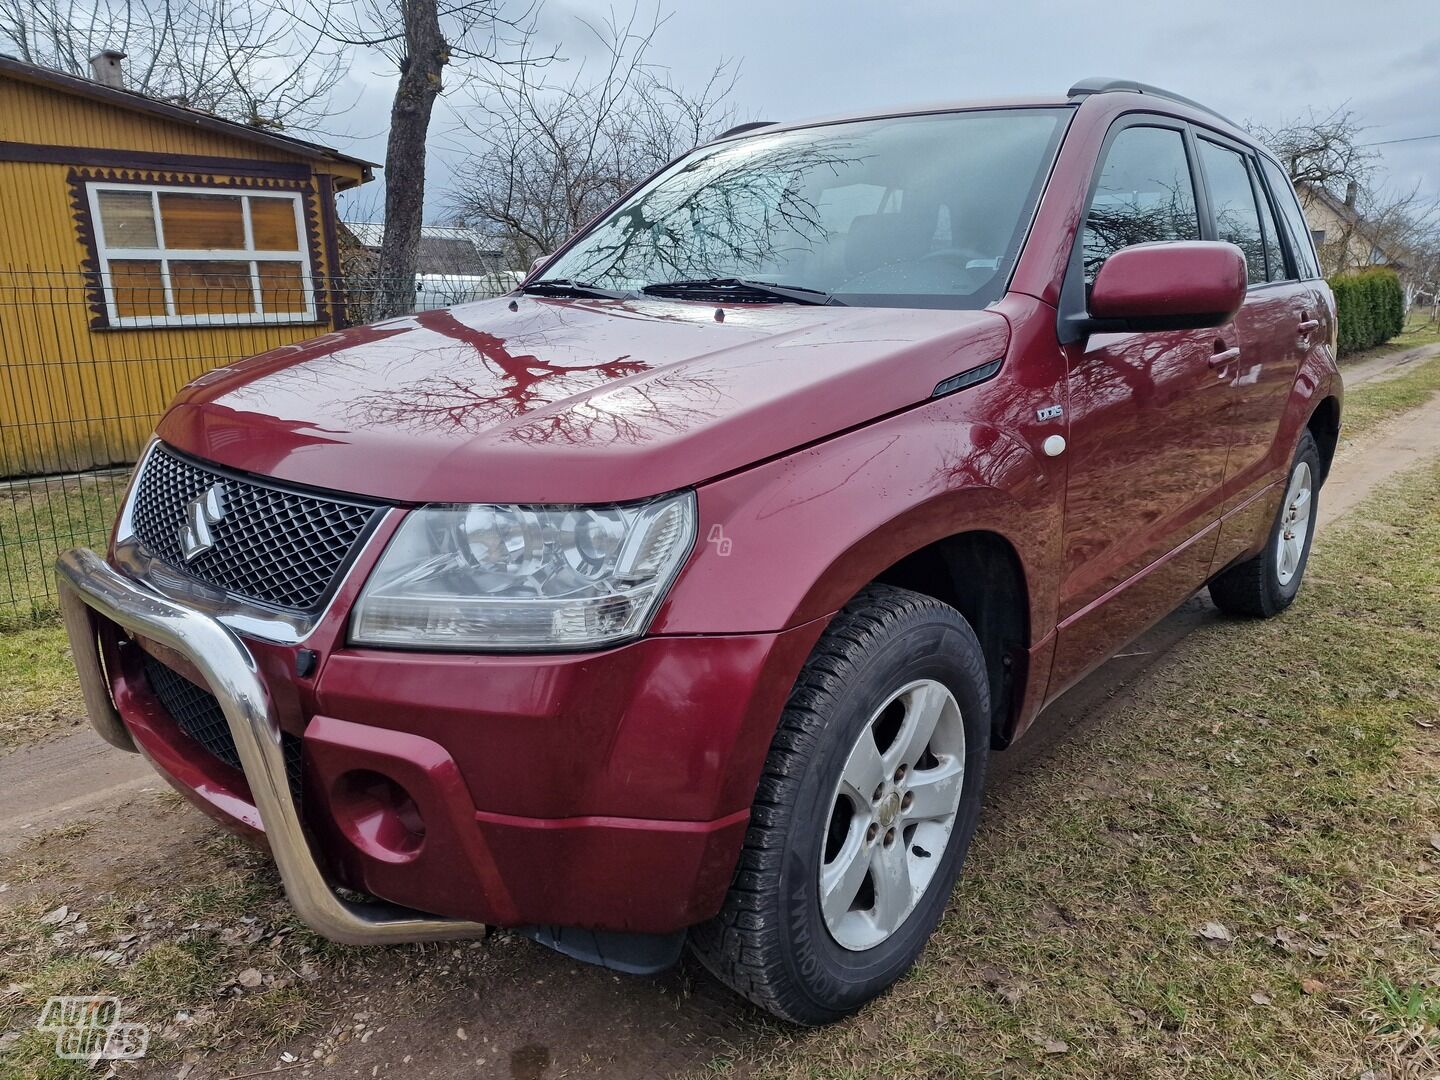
{"x": 1262, "y": 61}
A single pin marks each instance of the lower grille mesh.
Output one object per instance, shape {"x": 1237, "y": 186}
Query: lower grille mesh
{"x": 197, "y": 713}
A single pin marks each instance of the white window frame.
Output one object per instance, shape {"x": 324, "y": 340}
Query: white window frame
{"x": 163, "y": 255}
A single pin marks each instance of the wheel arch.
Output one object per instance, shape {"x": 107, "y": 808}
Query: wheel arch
{"x": 954, "y": 509}
{"x": 980, "y": 574}
{"x": 1324, "y": 426}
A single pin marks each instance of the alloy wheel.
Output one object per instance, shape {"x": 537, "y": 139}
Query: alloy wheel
{"x": 1294, "y": 523}
{"x": 892, "y": 813}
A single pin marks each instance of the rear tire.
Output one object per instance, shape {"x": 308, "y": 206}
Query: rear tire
{"x": 1265, "y": 585}
{"x": 858, "y": 718}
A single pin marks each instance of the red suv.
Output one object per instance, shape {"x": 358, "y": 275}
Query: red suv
{"x": 685, "y": 592}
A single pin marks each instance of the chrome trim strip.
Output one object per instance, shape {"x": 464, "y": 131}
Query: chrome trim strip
{"x": 123, "y": 524}
{"x": 94, "y": 686}
{"x": 87, "y": 583}
{"x": 251, "y": 620}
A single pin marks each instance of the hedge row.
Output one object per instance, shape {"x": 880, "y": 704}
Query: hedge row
{"x": 1371, "y": 308}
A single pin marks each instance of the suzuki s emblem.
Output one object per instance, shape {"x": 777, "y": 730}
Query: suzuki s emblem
{"x": 205, "y": 510}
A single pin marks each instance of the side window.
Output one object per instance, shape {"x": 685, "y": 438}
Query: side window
{"x": 1300, "y": 235}
{"x": 1233, "y": 200}
{"x": 1274, "y": 250}
{"x": 1144, "y": 194}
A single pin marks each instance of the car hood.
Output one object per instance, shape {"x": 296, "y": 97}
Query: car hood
{"x": 541, "y": 400}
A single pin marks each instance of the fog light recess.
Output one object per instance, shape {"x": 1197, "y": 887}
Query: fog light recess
{"x": 378, "y": 816}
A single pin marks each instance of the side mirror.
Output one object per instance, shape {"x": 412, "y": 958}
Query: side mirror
{"x": 539, "y": 262}
{"x": 1180, "y": 285}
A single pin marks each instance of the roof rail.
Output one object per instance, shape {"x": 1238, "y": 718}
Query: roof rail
{"x": 1103, "y": 85}
{"x": 740, "y": 129}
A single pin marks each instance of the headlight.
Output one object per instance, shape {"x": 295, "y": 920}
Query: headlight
{"x": 524, "y": 577}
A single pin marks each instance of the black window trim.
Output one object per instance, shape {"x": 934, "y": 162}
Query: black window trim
{"x": 1252, "y": 169}
{"x": 1249, "y": 154}
{"x": 1291, "y": 242}
{"x": 1291, "y": 270}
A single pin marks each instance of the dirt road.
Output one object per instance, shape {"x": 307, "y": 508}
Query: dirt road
{"x": 509, "y": 1009}
{"x": 1387, "y": 365}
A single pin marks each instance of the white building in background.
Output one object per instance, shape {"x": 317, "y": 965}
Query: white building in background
{"x": 1344, "y": 239}
{"x": 456, "y": 264}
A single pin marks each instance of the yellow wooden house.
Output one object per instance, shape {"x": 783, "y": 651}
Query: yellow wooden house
{"x": 141, "y": 244}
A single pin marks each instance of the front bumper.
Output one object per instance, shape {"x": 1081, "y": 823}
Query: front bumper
{"x": 89, "y": 587}
{"x": 565, "y": 755}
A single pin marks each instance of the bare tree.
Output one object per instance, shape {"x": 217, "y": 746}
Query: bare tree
{"x": 1424, "y": 278}
{"x": 1400, "y": 223}
{"x": 1326, "y": 156}
{"x": 1320, "y": 149}
{"x": 245, "y": 60}
{"x": 553, "y": 155}
{"x": 422, "y": 38}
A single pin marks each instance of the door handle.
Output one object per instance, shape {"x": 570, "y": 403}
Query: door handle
{"x": 1225, "y": 356}
{"x": 1307, "y": 325}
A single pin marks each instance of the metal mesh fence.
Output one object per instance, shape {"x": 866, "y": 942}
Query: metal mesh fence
{"x": 89, "y": 362}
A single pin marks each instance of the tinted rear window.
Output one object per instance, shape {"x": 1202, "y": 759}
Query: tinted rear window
{"x": 1232, "y": 201}
{"x": 1299, "y": 232}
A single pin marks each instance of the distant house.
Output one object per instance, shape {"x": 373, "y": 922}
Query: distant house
{"x": 1343, "y": 238}
{"x": 144, "y": 243}
{"x": 444, "y": 249}
{"x": 456, "y": 264}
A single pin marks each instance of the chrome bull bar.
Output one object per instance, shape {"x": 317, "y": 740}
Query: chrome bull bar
{"x": 88, "y": 584}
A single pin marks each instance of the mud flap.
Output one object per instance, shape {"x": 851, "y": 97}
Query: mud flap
{"x": 634, "y": 954}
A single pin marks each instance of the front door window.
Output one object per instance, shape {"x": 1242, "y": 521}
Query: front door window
{"x": 1144, "y": 194}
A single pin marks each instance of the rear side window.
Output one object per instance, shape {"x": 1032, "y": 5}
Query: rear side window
{"x": 1274, "y": 251}
{"x": 1144, "y": 194}
{"x": 1284, "y": 195}
{"x": 1232, "y": 199}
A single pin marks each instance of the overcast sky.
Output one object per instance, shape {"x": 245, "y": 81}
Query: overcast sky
{"x": 1266, "y": 60}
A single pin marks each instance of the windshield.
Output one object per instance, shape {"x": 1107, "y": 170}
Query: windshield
{"x": 917, "y": 211}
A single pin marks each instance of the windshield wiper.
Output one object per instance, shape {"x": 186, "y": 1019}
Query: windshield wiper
{"x": 737, "y": 288}
{"x": 567, "y": 287}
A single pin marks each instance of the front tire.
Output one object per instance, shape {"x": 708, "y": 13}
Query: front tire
{"x": 1265, "y": 585}
{"x": 863, "y": 815}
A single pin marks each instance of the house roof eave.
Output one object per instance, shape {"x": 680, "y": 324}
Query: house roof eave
{"x": 136, "y": 102}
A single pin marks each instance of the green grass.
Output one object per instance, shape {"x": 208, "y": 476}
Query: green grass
{"x": 39, "y": 519}
{"x": 1371, "y": 404}
{"x": 1281, "y": 778}
{"x": 38, "y": 694}
{"x": 1420, "y": 329}
{"x": 182, "y": 942}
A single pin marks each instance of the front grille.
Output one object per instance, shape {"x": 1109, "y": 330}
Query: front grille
{"x": 272, "y": 544}
{"x": 197, "y": 713}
